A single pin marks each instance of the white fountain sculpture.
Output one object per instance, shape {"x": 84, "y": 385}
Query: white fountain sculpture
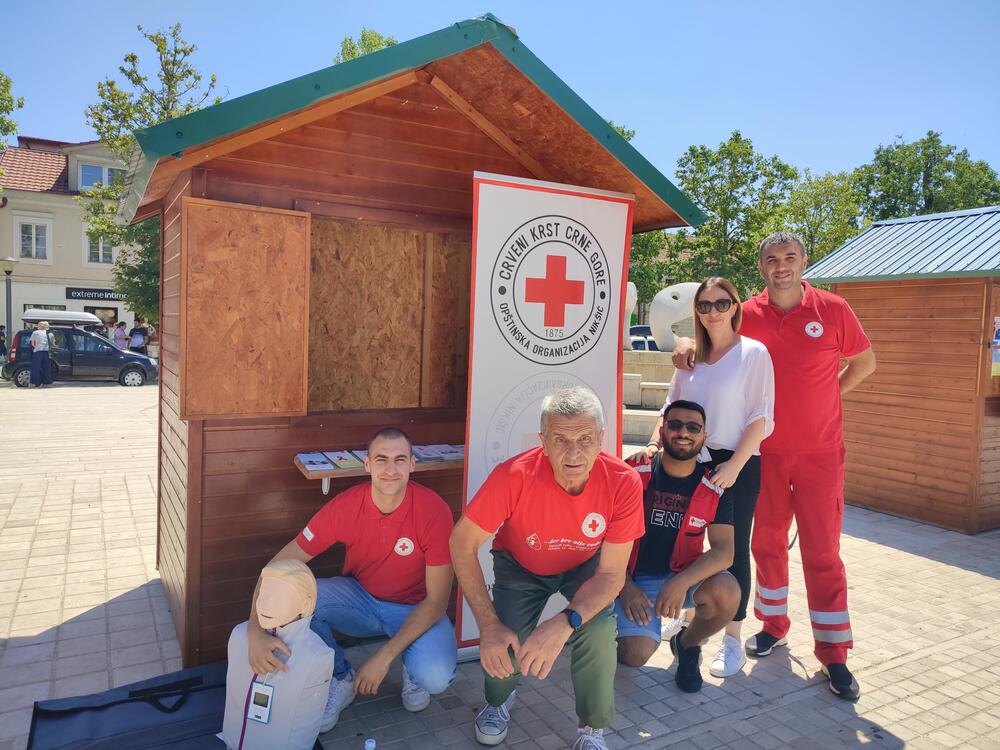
{"x": 670, "y": 306}
{"x": 631, "y": 297}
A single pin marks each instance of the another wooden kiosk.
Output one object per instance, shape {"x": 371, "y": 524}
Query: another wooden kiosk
{"x": 923, "y": 433}
{"x": 315, "y": 281}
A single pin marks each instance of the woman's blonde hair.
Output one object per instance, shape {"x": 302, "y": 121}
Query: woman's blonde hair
{"x": 44, "y": 325}
{"x": 702, "y": 341}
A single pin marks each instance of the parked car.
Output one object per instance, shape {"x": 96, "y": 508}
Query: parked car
{"x": 638, "y": 343}
{"x": 643, "y": 332}
{"x": 78, "y": 354}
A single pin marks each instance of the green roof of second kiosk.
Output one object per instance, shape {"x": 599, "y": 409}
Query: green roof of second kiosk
{"x": 955, "y": 244}
{"x": 174, "y": 137}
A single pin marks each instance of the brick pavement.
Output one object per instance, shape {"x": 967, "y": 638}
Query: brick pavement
{"x": 82, "y": 609}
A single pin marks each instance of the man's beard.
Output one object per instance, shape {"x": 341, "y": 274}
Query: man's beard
{"x": 682, "y": 455}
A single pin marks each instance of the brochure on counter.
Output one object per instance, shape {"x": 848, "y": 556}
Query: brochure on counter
{"x": 355, "y": 459}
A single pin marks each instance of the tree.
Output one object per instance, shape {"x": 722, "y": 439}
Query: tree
{"x": 175, "y": 89}
{"x": 8, "y": 105}
{"x": 368, "y": 41}
{"x": 825, "y": 211}
{"x": 743, "y": 194}
{"x": 923, "y": 177}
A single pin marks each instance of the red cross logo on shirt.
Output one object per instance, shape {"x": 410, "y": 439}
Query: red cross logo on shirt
{"x": 404, "y": 546}
{"x": 593, "y": 525}
{"x": 555, "y": 291}
{"x": 814, "y": 329}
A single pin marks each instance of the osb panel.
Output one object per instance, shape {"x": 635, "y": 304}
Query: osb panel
{"x": 483, "y": 77}
{"x": 367, "y": 309}
{"x": 244, "y": 316}
{"x": 446, "y": 326}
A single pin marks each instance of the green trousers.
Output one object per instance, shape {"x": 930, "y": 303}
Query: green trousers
{"x": 519, "y": 596}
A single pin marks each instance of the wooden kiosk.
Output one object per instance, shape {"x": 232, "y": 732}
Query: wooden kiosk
{"x": 315, "y": 281}
{"x": 923, "y": 432}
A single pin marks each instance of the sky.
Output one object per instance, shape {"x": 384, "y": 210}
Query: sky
{"x": 819, "y": 84}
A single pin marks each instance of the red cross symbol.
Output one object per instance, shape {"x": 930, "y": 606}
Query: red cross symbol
{"x": 403, "y": 547}
{"x": 813, "y": 329}
{"x": 555, "y": 291}
{"x": 594, "y": 525}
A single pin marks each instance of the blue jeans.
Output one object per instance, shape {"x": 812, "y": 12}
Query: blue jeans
{"x": 650, "y": 586}
{"x": 343, "y": 605}
{"x": 41, "y": 368}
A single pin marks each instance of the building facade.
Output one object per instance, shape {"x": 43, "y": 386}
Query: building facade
{"x": 41, "y": 225}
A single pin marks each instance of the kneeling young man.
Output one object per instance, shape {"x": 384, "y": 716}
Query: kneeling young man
{"x": 565, "y": 516}
{"x": 668, "y": 570}
{"x": 396, "y": 582}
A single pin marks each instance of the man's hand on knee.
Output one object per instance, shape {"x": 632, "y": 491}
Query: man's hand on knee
{"x": 494, "y": 642}
{"x": 543, "y": 646}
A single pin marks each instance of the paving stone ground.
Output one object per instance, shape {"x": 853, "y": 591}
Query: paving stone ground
{"x": 82, "y": 609}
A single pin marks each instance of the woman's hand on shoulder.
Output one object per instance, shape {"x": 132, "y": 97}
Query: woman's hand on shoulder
{"x": 726, "y": 474}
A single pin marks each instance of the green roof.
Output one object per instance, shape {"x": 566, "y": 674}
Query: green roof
{"x": 955, "y": 244}
{"x": 174, "y": 137}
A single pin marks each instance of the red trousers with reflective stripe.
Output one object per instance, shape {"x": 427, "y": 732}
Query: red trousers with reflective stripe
{"x": 810, "y": 487}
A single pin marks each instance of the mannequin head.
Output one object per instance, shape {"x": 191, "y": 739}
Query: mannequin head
{"x": 287, "y": 593}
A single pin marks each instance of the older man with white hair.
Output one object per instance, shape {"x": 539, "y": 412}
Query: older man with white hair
{"x": 565, "y": 516}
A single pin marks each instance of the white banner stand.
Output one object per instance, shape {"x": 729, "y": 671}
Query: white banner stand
{"x": 548, "y": 290}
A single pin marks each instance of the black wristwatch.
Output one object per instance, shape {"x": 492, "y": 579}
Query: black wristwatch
{"x": 575, "y": 621}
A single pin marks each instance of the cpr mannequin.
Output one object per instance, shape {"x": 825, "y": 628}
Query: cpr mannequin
{"x": 286, "y": 708}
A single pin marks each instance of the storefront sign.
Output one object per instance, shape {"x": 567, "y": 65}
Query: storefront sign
{"x": 75, "y": 292}
{"x": 548, "y": 290}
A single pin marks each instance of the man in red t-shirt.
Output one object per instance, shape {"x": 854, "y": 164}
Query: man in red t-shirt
{"x": 565, "y": 517}
{"x": 396, "y": 582}
{"x": 806, "y": 331}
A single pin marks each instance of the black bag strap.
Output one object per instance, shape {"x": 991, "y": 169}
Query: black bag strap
{"x": 152, "y": 695}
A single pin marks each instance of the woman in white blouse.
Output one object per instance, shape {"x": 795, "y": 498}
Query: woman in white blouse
{"x": 733, "y": 379}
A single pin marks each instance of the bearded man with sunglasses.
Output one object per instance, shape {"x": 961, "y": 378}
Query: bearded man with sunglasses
{"x": 807, "y": 332}
{"x": 668, "y": 570}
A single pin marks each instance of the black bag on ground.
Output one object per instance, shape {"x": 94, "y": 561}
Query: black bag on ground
{"x": 181, "y": 711}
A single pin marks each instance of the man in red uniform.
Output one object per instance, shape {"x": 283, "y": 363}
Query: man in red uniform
{"x": 807, "y": 331}
{"x": 396, "y": 582}
{"x": 565, "y": 516}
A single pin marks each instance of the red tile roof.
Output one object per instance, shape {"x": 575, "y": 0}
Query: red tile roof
{"x": 37, "y": 171}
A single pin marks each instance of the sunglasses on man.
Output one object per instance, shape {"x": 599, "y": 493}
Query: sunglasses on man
{"x": 705, "y": 306}
{"x": 693, "y": 428}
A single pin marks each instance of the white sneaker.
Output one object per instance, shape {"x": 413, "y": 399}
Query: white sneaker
{"x": 415, "y": 698}
{"x": 589, "y": 738}
{"x": 729, "y": 659}
{"x": 491, "y": 723}
{"x": 340, "y": 697}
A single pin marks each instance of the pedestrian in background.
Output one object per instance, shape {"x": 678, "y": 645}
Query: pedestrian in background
{"x": 138, "y": 336}
{"x": 118, "y": 335}
{"x": 41, "y": 366}
{"x": 3, "y": 343}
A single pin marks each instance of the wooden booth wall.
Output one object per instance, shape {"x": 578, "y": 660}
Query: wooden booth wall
{"x": 912, "y": 430}
{"x": 388, "y": 185}
{"x": 390, "y": 310}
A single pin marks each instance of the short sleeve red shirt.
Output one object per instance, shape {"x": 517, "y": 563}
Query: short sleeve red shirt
{"x": 386, "y": 553}
{"x": 544, "y": 528}
{"x": 806, "y": 344}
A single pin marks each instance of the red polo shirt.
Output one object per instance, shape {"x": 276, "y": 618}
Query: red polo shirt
{"x": 546, "y": 529}
{"x": 806, "y": 344}
{"x": 386, "y": 553}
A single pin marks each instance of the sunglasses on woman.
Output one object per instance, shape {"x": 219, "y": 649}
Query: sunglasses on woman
{"x": 705, "y": 306}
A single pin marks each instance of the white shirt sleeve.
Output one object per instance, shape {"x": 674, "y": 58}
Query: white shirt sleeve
{"x": 673, "y": 393}
{"x": 758, "y": 384}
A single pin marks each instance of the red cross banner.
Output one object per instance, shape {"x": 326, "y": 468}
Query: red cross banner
{"x": 548, "y": 293}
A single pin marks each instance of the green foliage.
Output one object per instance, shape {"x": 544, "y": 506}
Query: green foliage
{"x": 368, "y": 41}
{"x": 923, "y": 177}
{"x": 825, "y": 211}
{"x": 743, "y": 193}
{"x": 647, "y": 268}
{"x": 174, "y": 88}
{"x": 624, "y": 132}
{"x": 8, "y": 105}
